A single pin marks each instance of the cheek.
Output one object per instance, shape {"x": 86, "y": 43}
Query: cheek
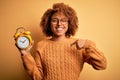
{"x": 66, "y": 26}
{"x": 52, "y": 27}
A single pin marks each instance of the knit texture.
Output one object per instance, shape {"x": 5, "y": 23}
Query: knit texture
{"x": 61, "y": 60}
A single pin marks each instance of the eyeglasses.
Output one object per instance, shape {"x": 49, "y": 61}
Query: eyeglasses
{"x": 56, "y": 20}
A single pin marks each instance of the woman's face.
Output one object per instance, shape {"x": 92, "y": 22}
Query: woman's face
{"x": 59, "y": 24}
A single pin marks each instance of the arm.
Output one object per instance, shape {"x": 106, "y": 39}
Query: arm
{"x": 33, "y": 66}
{"x": 92, "y": 55}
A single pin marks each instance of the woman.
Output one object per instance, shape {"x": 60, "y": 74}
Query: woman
{"x": 61, "y": 57}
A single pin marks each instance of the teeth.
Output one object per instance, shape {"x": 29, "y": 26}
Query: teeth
{"x": 59, "y": 28}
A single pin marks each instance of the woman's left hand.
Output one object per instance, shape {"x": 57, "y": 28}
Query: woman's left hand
{"x": 80, "y": 43}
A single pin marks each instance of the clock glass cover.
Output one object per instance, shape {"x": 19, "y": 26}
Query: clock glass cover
{"x": 23, "y": 42}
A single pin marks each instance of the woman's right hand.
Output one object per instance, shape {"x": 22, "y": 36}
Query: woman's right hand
{"x": 25, "y": 51}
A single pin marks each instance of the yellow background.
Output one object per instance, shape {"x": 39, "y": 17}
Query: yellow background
{"x": 99, "y": 21}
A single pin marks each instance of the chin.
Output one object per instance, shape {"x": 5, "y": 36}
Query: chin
{"x": 59, "y": 35}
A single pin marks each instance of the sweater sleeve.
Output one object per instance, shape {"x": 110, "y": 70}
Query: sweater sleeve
{"x": 93, "y": 56}
{"x": 33, "y": 66}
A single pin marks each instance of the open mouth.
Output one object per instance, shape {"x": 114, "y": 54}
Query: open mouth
{"x": 59, "y": 28}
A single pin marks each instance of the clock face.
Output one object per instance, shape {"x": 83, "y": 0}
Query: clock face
{"x": 23, "y": 42}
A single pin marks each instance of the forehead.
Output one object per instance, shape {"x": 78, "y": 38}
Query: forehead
{"x": 58, "y": 15}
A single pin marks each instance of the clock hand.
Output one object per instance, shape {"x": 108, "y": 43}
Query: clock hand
{"x": 24, "y": 40}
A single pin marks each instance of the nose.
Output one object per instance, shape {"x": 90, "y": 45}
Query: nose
{"x": 59, "y": 22}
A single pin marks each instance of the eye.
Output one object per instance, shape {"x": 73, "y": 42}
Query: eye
{"x": 64, "y": 20}
{"x": 54, "y": 20}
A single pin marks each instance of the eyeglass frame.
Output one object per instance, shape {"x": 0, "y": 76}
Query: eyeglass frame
{"x": 63, "y": 21}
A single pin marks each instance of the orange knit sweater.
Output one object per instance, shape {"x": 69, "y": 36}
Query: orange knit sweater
{"x": 62, "y": 60}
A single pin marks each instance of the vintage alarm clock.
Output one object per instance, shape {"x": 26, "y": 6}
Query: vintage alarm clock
{"x": 23, "y": 39}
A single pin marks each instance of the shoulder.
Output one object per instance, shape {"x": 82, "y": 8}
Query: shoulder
{"x": 72, "y": 40}
{"x": 41, "y": 43}
{"x": 90, "y": 43}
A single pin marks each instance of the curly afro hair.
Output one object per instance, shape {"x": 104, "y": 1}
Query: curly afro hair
{"x": 68, "y": 11}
